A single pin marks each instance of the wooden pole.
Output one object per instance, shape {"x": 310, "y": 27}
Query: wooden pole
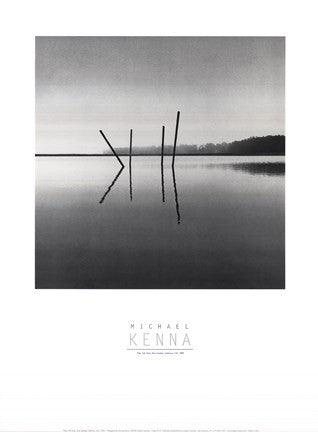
{"x": 112, "y": 149}
{"x": 162, "y": 144}
{"x": 130, "y": 145}
{"x": 175, "y": 138}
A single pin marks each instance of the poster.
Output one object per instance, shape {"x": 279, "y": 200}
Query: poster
{"x": 158, "y": 269}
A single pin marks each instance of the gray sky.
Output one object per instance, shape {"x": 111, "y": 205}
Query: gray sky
{"x": 226, "y": 88}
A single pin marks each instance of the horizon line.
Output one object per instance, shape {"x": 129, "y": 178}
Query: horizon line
{"x": 151, "y": 154}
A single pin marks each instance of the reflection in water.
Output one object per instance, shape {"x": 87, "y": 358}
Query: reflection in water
{"x": 130, "y": 176}
{"x": 176, "y": 194}
{"x": 130, "y": 179}
{"x": 254, "y": 168}
{"x": 112, "y": 184}
{"x": 232, "y": 233}
{"x": 162, "y": 183}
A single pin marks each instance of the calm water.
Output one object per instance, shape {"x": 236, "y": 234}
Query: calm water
{"x": 221, "y": 224}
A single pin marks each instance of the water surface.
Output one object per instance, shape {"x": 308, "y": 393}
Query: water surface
{"x": 214, "y": 222}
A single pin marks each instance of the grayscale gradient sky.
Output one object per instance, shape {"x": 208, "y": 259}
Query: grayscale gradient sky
{"x": 226, "y": 88}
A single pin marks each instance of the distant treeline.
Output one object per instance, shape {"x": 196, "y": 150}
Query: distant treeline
{"x": 270, "y": 144}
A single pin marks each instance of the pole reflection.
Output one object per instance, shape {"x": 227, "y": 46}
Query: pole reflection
{"x": 111, "y": 185}
{"x": 130, "y": 172}
{"x": 176, "y": 195}
{"x": 162, "y": 183}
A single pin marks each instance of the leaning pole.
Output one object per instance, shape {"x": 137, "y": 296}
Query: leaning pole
{"x": 175, "y": 138}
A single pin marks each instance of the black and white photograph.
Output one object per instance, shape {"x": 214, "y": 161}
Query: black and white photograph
{"x": 160, "y": 162}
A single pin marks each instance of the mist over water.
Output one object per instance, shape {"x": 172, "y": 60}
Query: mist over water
{"x": 215, "y": 222}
